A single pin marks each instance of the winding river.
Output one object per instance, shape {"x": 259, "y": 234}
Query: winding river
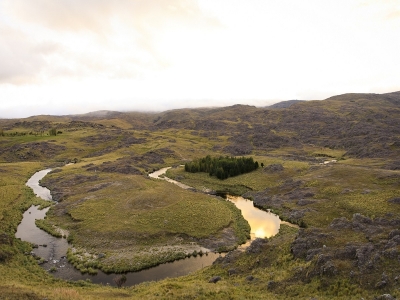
{"x": 263, "y": 224}
{"x": 53, "y": 250}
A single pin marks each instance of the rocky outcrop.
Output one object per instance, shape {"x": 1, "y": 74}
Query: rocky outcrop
{"x": 215, "y": 279}
{"x": 31, "y": 151}
{"x": 274, "y": 168}
{"x": 256, "y": 246}
{"x": 226, "y": 240}
{"x": 368, "y": 257}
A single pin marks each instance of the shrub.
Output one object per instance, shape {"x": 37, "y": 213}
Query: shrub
{"x": 120, "y": 280}
{"x": 53, "y": 132}
{"x": 6, "y": 252}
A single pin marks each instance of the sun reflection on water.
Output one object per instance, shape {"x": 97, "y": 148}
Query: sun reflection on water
{"x": 263, "y": 224}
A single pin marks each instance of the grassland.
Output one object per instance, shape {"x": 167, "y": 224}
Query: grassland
{"x": 148, "y": 221}
{"x": 348, "y": 248}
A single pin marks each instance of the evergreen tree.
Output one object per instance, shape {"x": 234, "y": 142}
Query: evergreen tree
{"x": 222, "y": 167}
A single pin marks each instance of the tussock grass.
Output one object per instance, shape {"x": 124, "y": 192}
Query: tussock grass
{"x": 137, "y": 222}
{"x": 50, "y": 229}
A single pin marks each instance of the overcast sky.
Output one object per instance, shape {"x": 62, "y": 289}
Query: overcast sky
{"x": 73, "y": 56}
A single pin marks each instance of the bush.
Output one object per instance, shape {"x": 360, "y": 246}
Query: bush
{"x": 120, "y": 280}
{"x": 6, "y": 252}
{"x": 53, "y": 132}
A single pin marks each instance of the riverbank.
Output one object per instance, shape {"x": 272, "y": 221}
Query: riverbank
{"x": 263, "y": 224}
{"x": 272, "y": 262}
{"x": 151, "y": 249}
{"x": 87, "y": 263}
{"x": 55, "y": 255}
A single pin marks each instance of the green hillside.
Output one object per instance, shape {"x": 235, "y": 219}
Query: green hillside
{"x": 330, "y": 166}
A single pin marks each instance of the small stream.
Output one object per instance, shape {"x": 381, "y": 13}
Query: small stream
{"x": 53, "y": 250}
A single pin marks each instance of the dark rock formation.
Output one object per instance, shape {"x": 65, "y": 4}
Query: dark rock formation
{"x": 257, "y": 246}
{"x": 274, "y": 168}
{"x": 215, "y": 279}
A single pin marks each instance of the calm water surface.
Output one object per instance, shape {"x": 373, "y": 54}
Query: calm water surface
{"x": 263, "y": 224}
{"x": 54, "y": 250}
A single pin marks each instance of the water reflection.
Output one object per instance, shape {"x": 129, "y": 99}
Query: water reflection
{"x": 162, "y": 171}
{"x": 39, "y": 191}
{"x": 27, "y": 231}
{"x": 263, "y": 224}
{"x": 54, "y": 250}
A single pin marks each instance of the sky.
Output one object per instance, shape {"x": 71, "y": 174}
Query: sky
{"x": 71, "y": 56}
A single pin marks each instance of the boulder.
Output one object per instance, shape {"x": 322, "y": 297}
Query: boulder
{"x": 328, "y": 269}
{"x": 340, "y": 223}
{"x": 380, "y": 284}
{"x": 303, "y": 202}
{"x": 394, "y": 200}
{"x": 215, "y": 279}
{"x": 385, "y": 297}
{"x": 348, "y": 252}
{"x": 250, "y": 278}
{"x": 393, "y": 233}
{"x": 232, "y": 272}
{"x": 274, "y": 168}
{"x": 257, "y": 245}
{"x": 363, "y": 255}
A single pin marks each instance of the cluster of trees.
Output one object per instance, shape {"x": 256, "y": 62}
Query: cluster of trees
{"x": 222, "y": 167}
{"x": 51, "y": 132}
{"x": 16, "y": 133}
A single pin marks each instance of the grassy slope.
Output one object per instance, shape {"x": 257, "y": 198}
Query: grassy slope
{"x": 157, "y": 211}
{"x": 22, "y": 278}
{"x": 351, "y": 186}
{"x": 148, "y": 221}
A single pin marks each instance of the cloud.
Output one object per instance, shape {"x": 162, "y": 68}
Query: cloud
{"x": 387, "y": 9}
{"x": 393, "y": 15}
{"x": 96, "y": 15}
{"x": 21, "y": 59}
{"x": 115, "y": 39}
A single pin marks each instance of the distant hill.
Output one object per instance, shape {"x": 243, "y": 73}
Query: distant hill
{"x": 99, "y": 114}
{"x": 284, "y": 104}
{"x": 365, "y": 125}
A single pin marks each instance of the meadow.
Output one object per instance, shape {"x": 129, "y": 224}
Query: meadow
{"x": 347, "y": 247}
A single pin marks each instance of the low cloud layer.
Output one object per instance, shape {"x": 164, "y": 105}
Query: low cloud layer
{"x": 73, "y": 55}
